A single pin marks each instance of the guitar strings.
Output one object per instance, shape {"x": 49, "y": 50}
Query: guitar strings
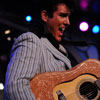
{"x": 86, "y": 88}
{"x": 84, "y": 96}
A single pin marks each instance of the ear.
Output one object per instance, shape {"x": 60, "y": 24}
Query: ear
{"x": 44, "y": 15}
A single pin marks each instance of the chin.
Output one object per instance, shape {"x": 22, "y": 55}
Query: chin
{"x": 59, "y": 40}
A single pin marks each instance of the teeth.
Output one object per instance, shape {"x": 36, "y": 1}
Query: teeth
{"x": 61, "y": 29}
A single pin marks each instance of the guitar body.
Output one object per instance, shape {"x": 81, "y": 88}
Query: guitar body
{"x": 78, "y": 89}
{"x": 79, "y": 83}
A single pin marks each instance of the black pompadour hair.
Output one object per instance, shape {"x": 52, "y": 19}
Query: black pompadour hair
{"x": 51, "y": 5}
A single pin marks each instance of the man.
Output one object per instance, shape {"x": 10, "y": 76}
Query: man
{"x": 32, "y": 55}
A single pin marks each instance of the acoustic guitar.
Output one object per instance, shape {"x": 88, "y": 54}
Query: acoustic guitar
{"x": 82, "y": 82}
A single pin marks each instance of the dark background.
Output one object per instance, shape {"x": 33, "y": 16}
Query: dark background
{"x": 12, "y": 16}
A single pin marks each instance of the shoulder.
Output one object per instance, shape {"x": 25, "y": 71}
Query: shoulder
{"x": 27, "y": 39}
{"x": 28, "y": 36}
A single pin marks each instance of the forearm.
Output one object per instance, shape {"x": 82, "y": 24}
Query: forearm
{"x": 19, "y": 90}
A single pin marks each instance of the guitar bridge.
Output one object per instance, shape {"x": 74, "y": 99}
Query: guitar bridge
{"x": 60, "y": 95}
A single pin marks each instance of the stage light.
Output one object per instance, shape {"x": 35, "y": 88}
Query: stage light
{"x": 84, "y": 4}
{"x": 96, "y": 29}
{"x": 9, "y": 38}
{"x": 7, "y": 31}
{"x": 1, "y": 86}
{"x": 83, "y": 26}
{"x": 28, "y": 18}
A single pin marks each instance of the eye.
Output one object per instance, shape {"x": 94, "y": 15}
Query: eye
{"x": 63, "y": 15}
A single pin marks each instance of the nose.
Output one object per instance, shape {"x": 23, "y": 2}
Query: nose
{"x": 66, "y": 21}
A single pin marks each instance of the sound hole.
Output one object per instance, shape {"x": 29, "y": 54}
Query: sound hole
{"x": 88, "y": 90}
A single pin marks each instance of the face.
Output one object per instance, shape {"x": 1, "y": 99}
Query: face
{"x": 58, "y": 23}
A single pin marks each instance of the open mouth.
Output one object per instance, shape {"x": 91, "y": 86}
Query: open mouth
{"x": 62, "y": 29}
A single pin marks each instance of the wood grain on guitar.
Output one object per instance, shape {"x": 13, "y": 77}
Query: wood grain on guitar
{"x": 79, "y": 83}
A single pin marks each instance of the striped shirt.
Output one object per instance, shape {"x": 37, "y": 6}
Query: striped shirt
{"x": 30, "y": 56}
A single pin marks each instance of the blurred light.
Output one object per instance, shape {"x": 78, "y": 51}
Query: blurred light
{"x": 83, "y": 26}
{"x": 28, "y": 18}
{"x": 7, "y": 31}
{"x": 1, "y": 86}
{"x": 3, "y": 58}
{"x": 84, "y": 4}
{"x": 95, "y": 6}
{"x": 96, "y": 29}
{"x": 9, "y": 38}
